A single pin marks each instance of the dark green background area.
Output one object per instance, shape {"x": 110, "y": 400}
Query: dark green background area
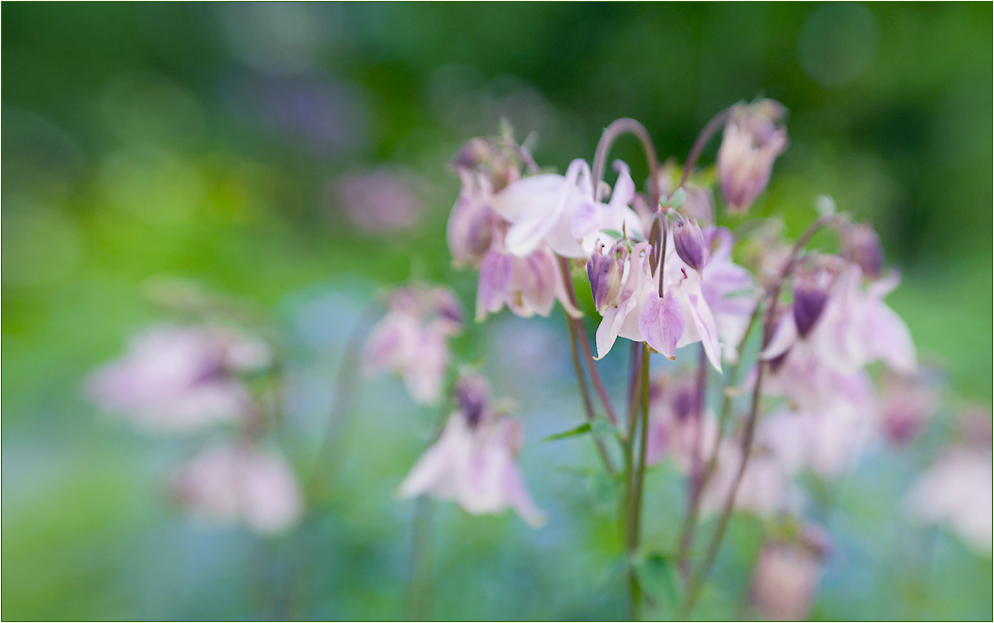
{"x": 890, "y": 114}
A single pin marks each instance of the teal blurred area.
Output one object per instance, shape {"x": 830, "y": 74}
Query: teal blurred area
{"x": 230, "y": 144}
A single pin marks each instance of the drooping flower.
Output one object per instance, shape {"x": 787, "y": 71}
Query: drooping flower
{"x": 861, "y": 246}
{"x": 752, "y": 141}
{"x": 541, "y": 208}
{"x": 528, "y": 284}
{"x": 470, "y": 227}
{"x": 179, "y": 379}
{"x": 787, "y": 575}
{"x": 473, "y": 461}
{"x": 412, "y": 340}
{"x": 240, "y": 484}
{"x": 856, "y": 327}
{"x": 956, "y": 491}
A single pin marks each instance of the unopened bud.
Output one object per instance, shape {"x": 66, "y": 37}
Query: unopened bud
{"x": 689, "y": 242}
{"x": 861, "y": 246}
{"x": 604, "y": 273}
{"x": 811, "y": 284}
{"x": 474, "y": 153}
{"x": 751, "y": 142}
{"x": 472, "y": 397}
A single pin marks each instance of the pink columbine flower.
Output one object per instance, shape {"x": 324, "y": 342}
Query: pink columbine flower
{"x": 470, "y": 227}
{"x": 856, "y": 327}
{"x": 680, "y": 317}
{"x": 956, "y": 491}
{"x": 240, "y": 484}
{"x": 528, "y": 284}
{"x": 787, "y": 575}
{"x": 541, "y": 208}
{"x": 412, "y": 340}
{"x": 751, "y": 143}
{"x": 179, "y": 379}
{"x": 826, "y": 442}
{"x": 473, "y": 462}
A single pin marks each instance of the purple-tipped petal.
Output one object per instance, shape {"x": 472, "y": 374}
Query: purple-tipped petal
{"x": 662, "y": 323}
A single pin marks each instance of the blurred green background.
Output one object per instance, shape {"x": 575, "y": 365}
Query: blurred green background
{"x": 213, "y": 142}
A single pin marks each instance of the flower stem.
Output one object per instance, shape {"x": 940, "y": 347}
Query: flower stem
{"x": 702, "y": 139}
{"x": 588, "y": 407}
{"x": 595, "y": 378}
{"x": 609, "y": 136}
{"x": 636, "y": 471}
{"x": 693, "y": 590}
{"x": 418, "y": 603}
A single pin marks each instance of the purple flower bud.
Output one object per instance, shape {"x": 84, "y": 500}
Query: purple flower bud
{"x": 604, "y": 273}
{"x": 752, "y": 141}
{"x": 811, "y": 284}
{"x": 861, "y": 246}
{"x": 480, "y": 153}
{"x": 473, "y": 397}
{"x": 689, "y": 242}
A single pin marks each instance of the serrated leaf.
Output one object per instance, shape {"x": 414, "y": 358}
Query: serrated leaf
{"x": 579, "y": 430}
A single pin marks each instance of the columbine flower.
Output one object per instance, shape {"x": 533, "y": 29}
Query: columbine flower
{"x": 528, "y": 285}
{"x": 412, "y": 340}
{"x": 751, "y": 143}
{"x": 470, "y": 226}
{"x": 861, "y": 246}
{"x": 179, "y": 379}
{"x": 240, "y": 484}
{"x": 957, "y": 491}
{"x": 473, "y": 460}
{"x": 593, "y": 220}
{"x": 541, "y": 207}
{"x": 787, "y": 575}
{"x": 856, "y": 327}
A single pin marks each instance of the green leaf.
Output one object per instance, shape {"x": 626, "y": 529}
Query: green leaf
{"x": 579, "y": 430}
{"x": 657, "y": 576}
{"x": 614, "y": 233}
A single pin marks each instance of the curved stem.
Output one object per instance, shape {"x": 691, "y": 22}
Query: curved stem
{"x": 588, "y": 407}
{"x": 702, "y": 139}
{"x": 609, "y": 136}
{"x": 750, "y": 428}
{"x": 595, "y": 378}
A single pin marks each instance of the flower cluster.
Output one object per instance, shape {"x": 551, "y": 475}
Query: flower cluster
{"x": 186, "y": 380}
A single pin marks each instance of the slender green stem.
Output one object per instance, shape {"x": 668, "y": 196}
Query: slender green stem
{"x": 588, "y": 407}
{"x": 636, "y": 472}
{"x": 418, "y": 604}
